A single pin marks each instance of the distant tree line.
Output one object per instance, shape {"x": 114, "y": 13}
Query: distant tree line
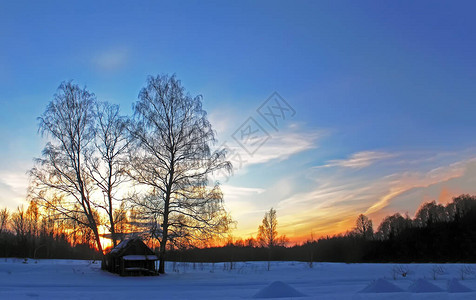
{"x": 437, "y": 233}
{"x": 27, "y": 233}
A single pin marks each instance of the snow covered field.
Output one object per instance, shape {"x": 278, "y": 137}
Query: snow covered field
{"x": 73, "y": 279}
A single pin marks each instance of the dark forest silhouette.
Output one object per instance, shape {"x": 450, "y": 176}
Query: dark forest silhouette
{"x": 437, "y": 233}
{"x": 28, "y": 234}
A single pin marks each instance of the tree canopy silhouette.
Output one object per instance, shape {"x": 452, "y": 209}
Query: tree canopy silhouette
{"x": 59, "y": 178}
{"x": 267, "y": 231}
{"x": 173, "y": 159}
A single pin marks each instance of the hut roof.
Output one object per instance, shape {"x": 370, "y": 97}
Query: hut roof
{"x": 133, "y": 249}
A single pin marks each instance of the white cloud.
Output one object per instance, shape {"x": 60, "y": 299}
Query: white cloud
{"x": 333, "y": 201}
{"x": 238, "y": 191}
{"x": 440, "y": 184}
{"x": 340, "y": 194}
{"x": 280, "y": 147}
{"x": 241, "y": 202}
{"x": 13, "y": 188}
{"x": 360, "y": 159}
{"x": 111, "y": 59}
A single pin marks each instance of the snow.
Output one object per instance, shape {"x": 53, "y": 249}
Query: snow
{"x": 381, "y": 286}
{"x": 121, "y": 245}
{"x": 75, "y": 279}
{"x": 424, "y": 286}
{"x": 278, "y": 289}
{"x": 454, "y": 286}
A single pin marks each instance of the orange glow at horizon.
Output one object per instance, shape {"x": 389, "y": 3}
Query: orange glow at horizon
{"x": 298, "y": 229}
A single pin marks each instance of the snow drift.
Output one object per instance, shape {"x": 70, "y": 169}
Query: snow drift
{"x": 278, "y": 289}
{"x": 454, "y": 286}
{"x": 424, "y": 286}
{"x": 381, "y": 286}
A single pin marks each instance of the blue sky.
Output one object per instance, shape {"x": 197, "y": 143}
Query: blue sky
{"x": 383, "y": 94}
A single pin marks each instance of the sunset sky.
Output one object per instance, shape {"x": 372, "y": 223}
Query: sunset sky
{"x": 378, "y": 98}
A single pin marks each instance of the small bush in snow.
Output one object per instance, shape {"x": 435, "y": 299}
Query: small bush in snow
{"x": 175, "y": 267}
{"x": 437, "y": 271}
{"x": 465, "y": 271}
{"x": 400, "y": 270}
{"x": 213, "y": 268}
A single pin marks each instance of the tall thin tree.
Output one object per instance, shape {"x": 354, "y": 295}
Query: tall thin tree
{"x": 267, "y": 231}
{"x": 106, "y": 162}
{"x": 60, "y": 179}
{"x": 173, "y": 158}
{"x": 4, "y": 215}
{"x": 364, "y": 227}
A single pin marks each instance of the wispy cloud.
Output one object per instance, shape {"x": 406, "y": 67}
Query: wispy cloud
{"x": 13, "y": 188}
{"x": 241, "y": 202}
{"x": 360, "y": 159}
{"x": 340, "y": 194}
{"x": 410, "y": 189}
{"x": 238, "y": 191}
{"x": 283, "y": 145}
{"x": 111, "y": 59}
{"x": 280, "y": 147}
{"x": 328, "y": 208}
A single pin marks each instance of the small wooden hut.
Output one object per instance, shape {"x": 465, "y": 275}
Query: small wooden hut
{"x": 131, "y": 258}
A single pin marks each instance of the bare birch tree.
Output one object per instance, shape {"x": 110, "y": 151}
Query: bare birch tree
{"x": 267, "y": 231}
{"x": 173, "y": 160}
{"x": 364, "y": 227}
{"x": 60, "y": 179}
{"x": 268, "y": 234}
{"x": 19, "y": 223}
{"x": 4, "y": 215}
{"x": 106, "y": 162}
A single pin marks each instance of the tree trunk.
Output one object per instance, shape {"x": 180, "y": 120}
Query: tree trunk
{"x": 113, "y": 232}
{"x": 111, "y": 221}
{"x": 111, "y": 211}
{"x": 98, "y": 241}
{"x": 163, "y": 243}
{"x": 165, "y": 236}
{"x": 165, "y": 225}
